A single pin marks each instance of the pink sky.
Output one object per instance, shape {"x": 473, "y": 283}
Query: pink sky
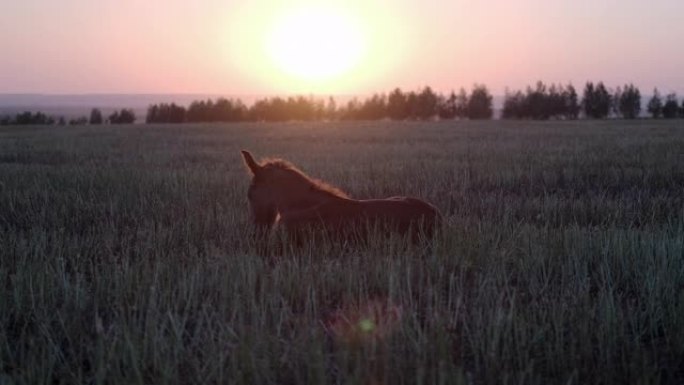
{"x": 217, "y": 47}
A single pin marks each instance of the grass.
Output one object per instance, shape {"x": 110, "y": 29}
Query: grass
{"x": 125, "y": 256}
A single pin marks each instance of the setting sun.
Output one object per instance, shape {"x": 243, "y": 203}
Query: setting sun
{"x": 315, "y": 43}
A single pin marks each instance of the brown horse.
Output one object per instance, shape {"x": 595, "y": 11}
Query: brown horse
{"x": 282, "y": 195}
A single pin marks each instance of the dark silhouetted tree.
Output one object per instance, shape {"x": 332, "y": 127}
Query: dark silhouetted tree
{"x": 462, "y": 104}
{"x": 125, "y": 116}
{"x": 330, "y": 109}
{"x": 29, "y": 118}
{"x": 514, "y": 106}
{"x": 446, "y": 108}
{"x": 412, "y": 105}
{"x": 165, "y": 113}
{"x": 480, "y": 103}
{"x": 681, "y": 110}
{"x": 571, "y": 102}
{"x": 279, "y": 110}
{"x": 319, "y": 109}
{"x": 426, "y": 104}
{"x": 373, "y": 108}
{"x": 615, "y": 102}
{"x": 655, "y": 105}
{"x": 152, "y": 114}
{"x": 671, "y": 107}
{"x": 351, "y": 110}
{"x": 230, "y": 110}
{"x": 95, "y": 116}
{"x": 628, "y": 102}
{"x": 596, "y": 101}
{"x": 541, "y": 102}
{"x": 537, "y": 102}
{"x": 396, "y": 105}
{"x": 555, "y": 102}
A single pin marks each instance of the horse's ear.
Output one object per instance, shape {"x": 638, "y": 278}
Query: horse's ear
{"x": 251, "y": 164}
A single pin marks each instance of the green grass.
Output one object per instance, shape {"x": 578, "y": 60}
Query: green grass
{"x": 125, "y": 256}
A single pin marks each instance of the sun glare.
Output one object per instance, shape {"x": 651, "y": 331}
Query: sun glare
{"x": 316, "y": 44}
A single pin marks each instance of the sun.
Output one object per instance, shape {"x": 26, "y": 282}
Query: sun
{"x": 316, "y": 43}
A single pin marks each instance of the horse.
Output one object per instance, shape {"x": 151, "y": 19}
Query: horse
{"x": 281, "y": 195}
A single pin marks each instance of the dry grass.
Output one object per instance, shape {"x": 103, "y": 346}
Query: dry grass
{"x": 126, "y": 258}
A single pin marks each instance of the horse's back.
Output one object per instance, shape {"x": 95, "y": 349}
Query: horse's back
{"x": 401, "y": 213}
{"x": 404, "y": 211}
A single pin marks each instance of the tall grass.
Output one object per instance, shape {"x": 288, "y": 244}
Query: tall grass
{"x": 126, "y": 257}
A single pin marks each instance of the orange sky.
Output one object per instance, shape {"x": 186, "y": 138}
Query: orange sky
{"x": 227, "y": 47}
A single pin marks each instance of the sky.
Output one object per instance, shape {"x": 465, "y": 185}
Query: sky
{"x": 352, "y": 47}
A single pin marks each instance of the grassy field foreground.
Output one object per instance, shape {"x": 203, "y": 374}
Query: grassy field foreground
{"x": 125, "y": 257}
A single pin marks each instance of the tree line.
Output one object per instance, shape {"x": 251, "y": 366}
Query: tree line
{"x": 541, "y": 102}
{"x": 598, "y": 102}
{"x": 538, "y": 102}
{"x": 424, "y": 104}
{"x": 123, "y": 116}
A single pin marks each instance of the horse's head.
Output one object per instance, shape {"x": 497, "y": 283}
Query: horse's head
{"x": 275, "y": 185}
{"x": 260, "y": 195}
{"x": 278, "y": 186}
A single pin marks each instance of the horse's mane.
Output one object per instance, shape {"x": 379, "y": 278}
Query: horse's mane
{"x": 315, "y": 183}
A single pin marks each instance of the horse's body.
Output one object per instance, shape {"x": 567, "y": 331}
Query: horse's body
{"x": 281, "y": 195}
{"x": 396, "y": 213}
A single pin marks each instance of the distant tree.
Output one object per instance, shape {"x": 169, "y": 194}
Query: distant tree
{"x": 628, "y": 102}
{"x": 152, "y": 115}
{"x": 29, "y": 118}
{"x": 5, "y": 120}
{"x": 165, "y": 113}
{"x": 351, "y": 110}
{"x": 176, "y": 114}
{"x": 541, "y": 103}
{"x": 655, "y": 105}
{"x": 671, "y": 107}
{"x": 596, "y": 101}
{"x": 319, "y": 110}
{"x": 301, "y": 108}
{"x": 426, "y": 104}
{"x": 61, "y": 121}
{"x": 462, "y": 104}
{"x": 40, "y": 118}
{"x": 373, "y": 108}
{"x": 330, "y": 109}
{"x": 571, "y": 105}
{"x": 681, "y": 110}
{"x": 227, "y": 110}
{"x": 446, "y": 108}
{"x": 275, "y": 109}
{"x": 514, "y": 105}
{"x": 125, "y": 116}
{"x": 24, "y": 118}
{"x": 480, "y": 103}
{"x": 537, "y": 102}
{"x": 615, "y": 102}
{"x": 412, "y": 105}
{"x": 555, "y": 102}
{"x": 198, "y": 111}
{"x": 95, "y": 116}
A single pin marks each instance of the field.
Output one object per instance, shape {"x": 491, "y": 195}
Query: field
{"x": 126, "y": 256}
